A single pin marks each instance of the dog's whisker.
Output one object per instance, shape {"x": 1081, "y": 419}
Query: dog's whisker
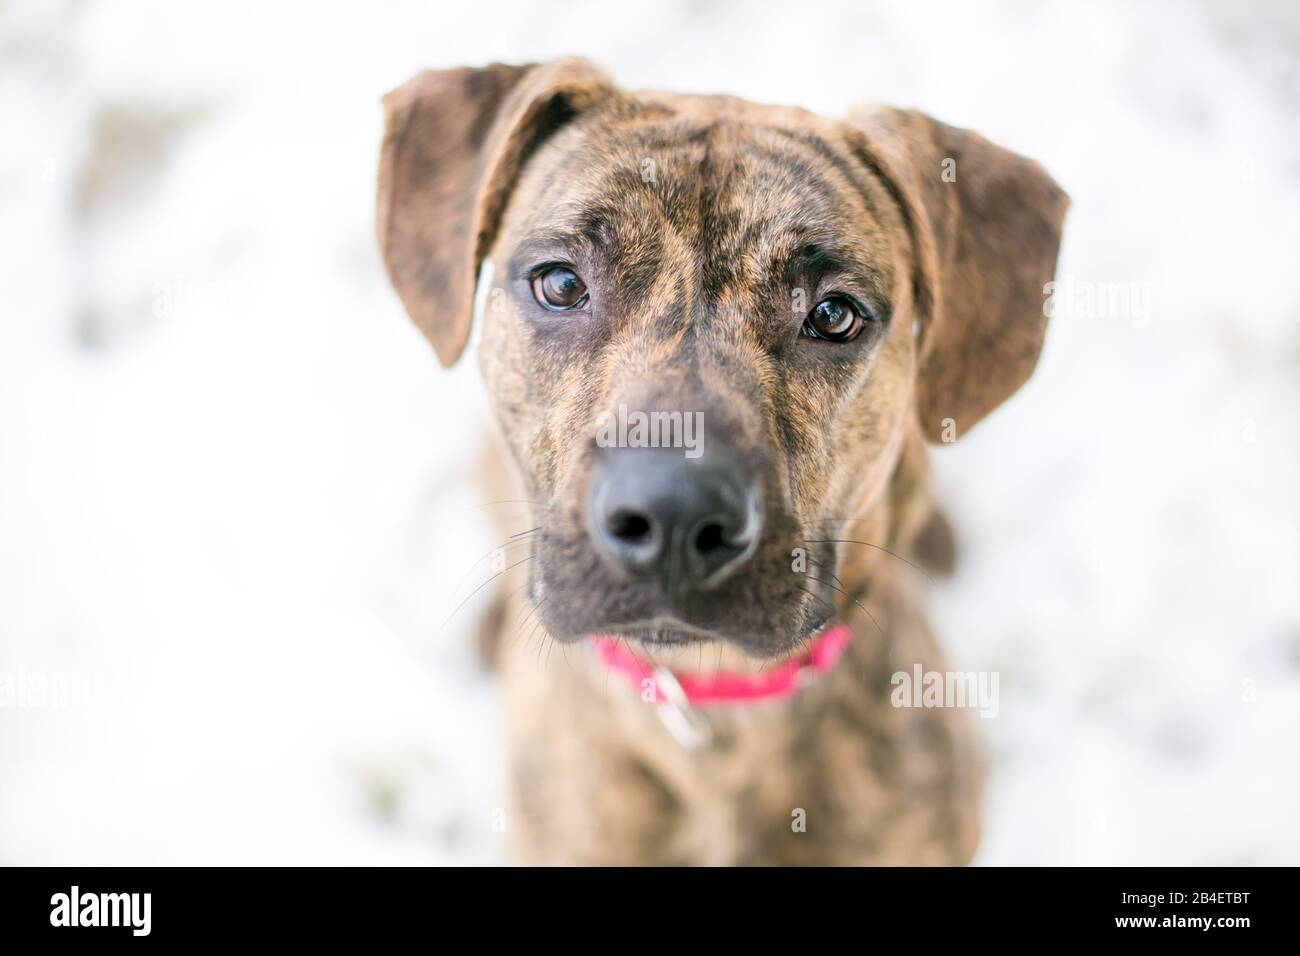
{"x": 537, "y": 622}
{"x": 868, "y": 544}
{"x": 485, "y": 584}
{"x": 842, "y": 587}
{"x": 531, "y": 611}
{"x": 806, "y": 642}
{"x": 514, "y": 501}
{"x": 861, "y": 670}
{"x": 541, "y": 642}
{"x": 519, "y": 631}
{"x": 819, "y": 564}
{"x": 501, "y": 547}
{"x": 533, "y": 634}
{"x": 817, "y": 597}
{"x": 852, "y": 599}
{"x": 516, "y": 591}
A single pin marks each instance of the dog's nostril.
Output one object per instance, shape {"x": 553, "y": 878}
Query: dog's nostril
{"x": 629, "y": 526}
{"x": 710, "y": 538}
{"x": 670, "y": 524}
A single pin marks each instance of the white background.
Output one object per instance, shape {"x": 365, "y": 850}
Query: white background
{"x": 236, "y": 491}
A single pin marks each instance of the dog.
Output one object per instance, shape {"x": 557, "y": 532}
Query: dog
{"x": 825, "y": 297}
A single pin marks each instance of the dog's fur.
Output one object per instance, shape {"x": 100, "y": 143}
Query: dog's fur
{"x": 694, "y": 220}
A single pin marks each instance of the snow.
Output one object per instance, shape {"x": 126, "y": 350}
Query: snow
{"x": 237, "y": 499}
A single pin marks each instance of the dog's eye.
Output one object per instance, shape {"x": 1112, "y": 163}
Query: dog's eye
{"x": 834, "y": 319}
{"x": 559, "y": 289}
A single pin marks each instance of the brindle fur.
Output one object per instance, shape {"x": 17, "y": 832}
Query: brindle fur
{"x": 693, "y": 220}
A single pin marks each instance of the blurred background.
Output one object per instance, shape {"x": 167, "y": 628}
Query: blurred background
{"x": 237, "y": 500}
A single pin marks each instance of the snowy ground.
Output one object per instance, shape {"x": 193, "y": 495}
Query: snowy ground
{"x": 234, "y": 494}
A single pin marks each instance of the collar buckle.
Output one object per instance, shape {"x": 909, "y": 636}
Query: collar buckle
{"x": 686, "y": 724}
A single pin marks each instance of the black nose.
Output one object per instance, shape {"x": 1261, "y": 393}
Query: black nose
{"x": 686, "y": 523}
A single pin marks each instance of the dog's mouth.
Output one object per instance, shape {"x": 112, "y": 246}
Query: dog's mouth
{"x": 677, "y": 688}
{"x": 679, "y": 644}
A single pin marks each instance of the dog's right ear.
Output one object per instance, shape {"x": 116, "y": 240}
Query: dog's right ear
{"x": 454, "y": 143}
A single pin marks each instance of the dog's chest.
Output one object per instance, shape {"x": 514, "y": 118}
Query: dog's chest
{"x": 834, "y": 775}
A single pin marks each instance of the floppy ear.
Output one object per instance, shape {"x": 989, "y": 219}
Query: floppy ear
{"x": 986, "y": 224}
{"x": 454, "y": 143}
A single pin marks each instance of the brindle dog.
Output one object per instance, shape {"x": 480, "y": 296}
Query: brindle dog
{"x": 831, "y": 295}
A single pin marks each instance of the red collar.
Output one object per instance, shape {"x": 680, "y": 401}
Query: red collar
{"x": 661, "y": 686}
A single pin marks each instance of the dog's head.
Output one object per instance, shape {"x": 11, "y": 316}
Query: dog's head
{"x": 712, "y": 325}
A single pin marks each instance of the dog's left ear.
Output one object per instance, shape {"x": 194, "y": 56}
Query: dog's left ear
{"x": 986, "y": 225}
{"x": 454, "y": 143}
